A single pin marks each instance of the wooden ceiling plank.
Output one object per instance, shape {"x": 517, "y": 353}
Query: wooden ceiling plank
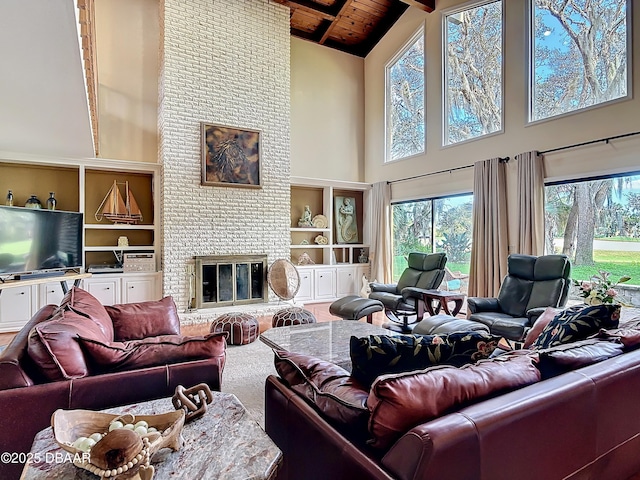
{"x": 424, "y": 5}
{"x": 341, "y": 12}
{"x": 312, "y": 8}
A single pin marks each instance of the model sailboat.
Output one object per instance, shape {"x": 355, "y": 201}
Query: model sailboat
{"x": 118, "y": 209}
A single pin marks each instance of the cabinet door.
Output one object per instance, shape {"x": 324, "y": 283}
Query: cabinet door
{"x": 17, "y": 306}
{"x": 325, "y": 284}
{"x": 305, "y": 292}
{"x": 347, "y": 283}
{"x": 50, "y": 293}
{"x": 139, "y": 289}
{"x": 106, "y": 290}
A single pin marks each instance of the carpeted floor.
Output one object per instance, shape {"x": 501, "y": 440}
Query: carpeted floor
{"x": 244, "y": 375}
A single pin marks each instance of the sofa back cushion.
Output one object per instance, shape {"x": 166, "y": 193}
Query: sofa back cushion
{"x": 54, "y": 348}
{"x": 152, "y": 351}
{"x": 135, "y": 321}
{"x": 83, "y": 303}
{"x": 329, "y": 388}
{"x": 16, "y": 367}
{"x": 399, "y": 402}
{"x": 571, "y": 356}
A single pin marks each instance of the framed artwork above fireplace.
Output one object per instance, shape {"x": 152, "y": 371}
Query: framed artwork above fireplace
{"x": 230, "y": 156}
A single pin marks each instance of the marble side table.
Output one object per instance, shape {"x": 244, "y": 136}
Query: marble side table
{"x": 226, "y": 443}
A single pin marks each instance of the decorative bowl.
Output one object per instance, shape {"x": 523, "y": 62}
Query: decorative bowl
{"x": 69, "y": 425}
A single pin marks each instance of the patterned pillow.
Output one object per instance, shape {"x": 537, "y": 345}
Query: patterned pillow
{"x": 577, "y": 323}
{"x": 377, "y": 355}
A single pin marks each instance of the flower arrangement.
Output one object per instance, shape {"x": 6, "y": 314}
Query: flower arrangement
{"x": 600, "y": 289}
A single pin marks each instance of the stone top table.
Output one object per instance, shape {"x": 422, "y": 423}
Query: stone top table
{"x": 325, "y": 340}
{"x": 442, "y": 298}
{"x": 226, "y": 443}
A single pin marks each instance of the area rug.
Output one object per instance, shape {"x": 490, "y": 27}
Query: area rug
{"x": 245, "y": 373}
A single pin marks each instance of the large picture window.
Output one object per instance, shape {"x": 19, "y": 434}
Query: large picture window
{"x": 579, "y": 51}
{"x": 405, "y": 122}
{"x": 473, "y": 72}
{"x": 596, "y": 223}
{"x": 435, "y": 225}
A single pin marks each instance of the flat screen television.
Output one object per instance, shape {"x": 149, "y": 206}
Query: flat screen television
{"x": 39, "y": 241}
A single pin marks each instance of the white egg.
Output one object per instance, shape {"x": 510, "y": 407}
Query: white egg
{"x": 142, "y": 423}
{"x": 129, "y": 426}
{"x": 115, "y": 424}
{"x": 96, "y": 437}
{"x": 141, "y": 430}
{"x": 79, "y": 441}
{"x": 152, "y": 429}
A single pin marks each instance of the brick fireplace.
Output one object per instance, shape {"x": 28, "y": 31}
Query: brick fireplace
{"x": 224, "y": 62}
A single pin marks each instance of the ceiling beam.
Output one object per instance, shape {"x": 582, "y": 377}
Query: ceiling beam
{"x": 341, "y": 12}
{"x": 424, "y": 5}
{"x": 313, "y": 8}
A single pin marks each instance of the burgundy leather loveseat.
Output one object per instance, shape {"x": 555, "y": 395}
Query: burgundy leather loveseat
{"x": 84, "y": 355}
{"x": 578, "y": 422}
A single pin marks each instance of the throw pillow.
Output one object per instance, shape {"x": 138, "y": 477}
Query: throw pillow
{"x": 83, "y": 303}
{"x": 135, "y": 321}
{"x": 53, "y": 347}
{"x": 577, "y": 323}
{"x": 376, "y": 355}
{"x": 541, "y": 322}
{"x": 400, "y": 402}
{"x": 329, "y": 388}
{"x": 152, "y": 351}
{"x": 571, "y": 356}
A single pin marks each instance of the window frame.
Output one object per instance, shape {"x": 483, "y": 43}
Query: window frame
{"x": 530, "y": 68}
{"x": 420, "y": 32}
{"x": 445, "y": 77}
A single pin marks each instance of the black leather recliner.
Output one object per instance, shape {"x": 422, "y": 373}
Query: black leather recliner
{"x": 425, "y": 271}
{"x": 532, "y": 284}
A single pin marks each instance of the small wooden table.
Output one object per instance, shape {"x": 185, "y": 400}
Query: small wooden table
{"x": 442, "y": 299}
{"x": 226, "y": 443}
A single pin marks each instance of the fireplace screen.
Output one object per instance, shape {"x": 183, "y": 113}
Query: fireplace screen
{"x": 230, "y": 280}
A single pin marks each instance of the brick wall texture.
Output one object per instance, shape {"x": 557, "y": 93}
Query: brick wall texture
{"x": 224, "y": 62}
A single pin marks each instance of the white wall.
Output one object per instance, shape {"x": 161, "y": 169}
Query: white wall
{"x": 127, "y": 44}
{"x": 614, "y": 119}
{"x": 327, "y": 113}
{"x": 222, "y": 71}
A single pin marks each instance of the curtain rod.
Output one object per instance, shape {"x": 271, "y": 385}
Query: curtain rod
{"x": 448, "y": 170}
{"x": 605, "y": 140}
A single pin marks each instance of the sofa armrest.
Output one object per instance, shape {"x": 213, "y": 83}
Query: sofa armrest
{"x": 384, "y": 287}
{"x": 413, "y": 292}
{"x": 483, "y": 304}
{"x": 534, "y": 313}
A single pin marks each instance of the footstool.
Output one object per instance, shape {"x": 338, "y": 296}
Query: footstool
{"x": 242, "y": 328}
{"x": 354, "y": 307}
{"x": 440, "y": 324}
{"x": 292, "y": 316}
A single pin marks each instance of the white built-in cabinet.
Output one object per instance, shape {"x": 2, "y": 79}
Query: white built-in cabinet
{"x": 337, "y": 269}
{"x": 17, "y": 305}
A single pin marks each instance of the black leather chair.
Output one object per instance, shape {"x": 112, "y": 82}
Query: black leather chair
{"x": 404, "y": 299}
{"x": 531, "y": 285}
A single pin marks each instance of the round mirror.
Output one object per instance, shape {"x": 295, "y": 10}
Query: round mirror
{"x": 283, "y": 278}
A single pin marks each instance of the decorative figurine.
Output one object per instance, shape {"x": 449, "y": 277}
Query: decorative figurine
{"x": 305, "y": 220}
{"x": 363, "y": 256}
{"x": 9, "y": 202}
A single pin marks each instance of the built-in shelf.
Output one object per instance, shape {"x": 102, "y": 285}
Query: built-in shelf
{"x": 119, "y": 226}
{"x": 130, "y": 248}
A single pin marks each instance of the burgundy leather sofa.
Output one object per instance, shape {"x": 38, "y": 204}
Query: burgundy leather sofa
{"x": 28, "y": 398}
{"x": 581, "y": 424}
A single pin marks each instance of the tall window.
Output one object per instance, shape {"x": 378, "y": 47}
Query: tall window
{"x": 597, "y": 224}
{"x": 579, "y": 50}
{"x": 405, "y": 123}
{"x": 435, "y": 225}
{"x": 473, "y": 72}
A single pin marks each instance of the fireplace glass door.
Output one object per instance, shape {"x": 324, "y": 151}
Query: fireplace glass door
{"x": 230, "y": 280}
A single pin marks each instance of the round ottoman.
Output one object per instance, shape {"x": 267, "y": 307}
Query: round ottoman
{"x": 242, "y": 327}
{"x": 292, "y": 316}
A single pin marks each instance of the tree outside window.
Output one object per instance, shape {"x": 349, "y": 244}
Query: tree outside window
{"x": 405, "y": 101}
{"x": 473, "y": 73}
{"x": 579, "y": 52}
{"x": 597, "y": 224}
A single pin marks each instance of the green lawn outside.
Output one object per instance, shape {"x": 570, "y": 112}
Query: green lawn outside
{"x": 617, "y": 263}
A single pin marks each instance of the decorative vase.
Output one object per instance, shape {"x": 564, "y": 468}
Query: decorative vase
{"x": 363, "y": 256}
{"x": 9, "y": 202}
{"x": 33, "y": 202}
{"x": 51, "y": 201}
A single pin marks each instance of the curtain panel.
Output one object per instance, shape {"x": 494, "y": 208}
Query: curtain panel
{"x": 380, "y": 254}
{"x": 530, "y": 203}
{"x": 490, "y": 228}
